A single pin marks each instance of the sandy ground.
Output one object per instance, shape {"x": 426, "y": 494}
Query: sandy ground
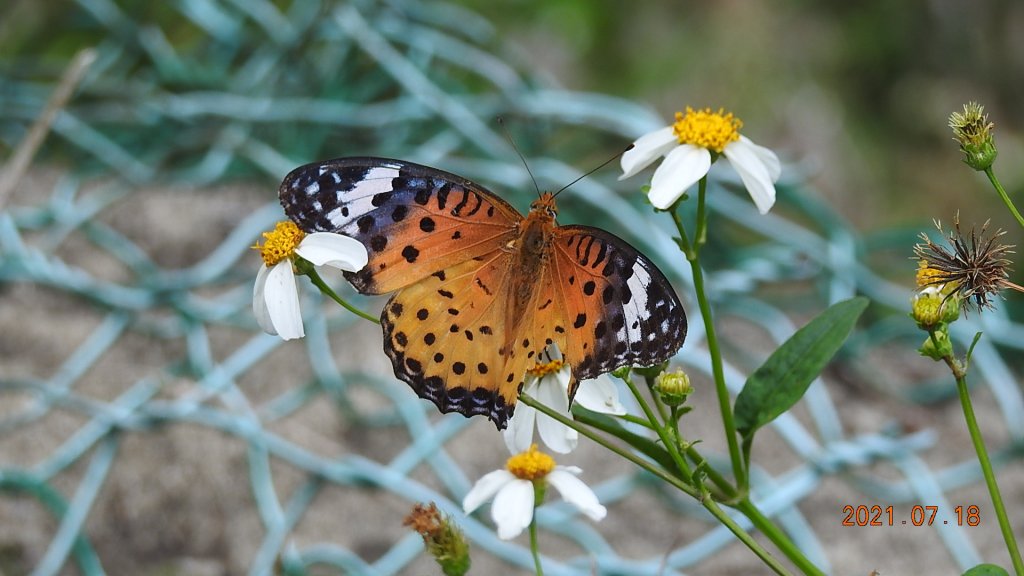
{"x": 178, "y": 500}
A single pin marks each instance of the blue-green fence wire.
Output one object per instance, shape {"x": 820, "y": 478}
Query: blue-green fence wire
{"x": 207, "y": 92}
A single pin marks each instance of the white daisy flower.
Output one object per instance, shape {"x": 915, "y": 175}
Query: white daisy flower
{"x": 514, "y": 491}
{"x": 275, "y": 298}
{"x": 690, "y": 145}
{"x": 548, "y": 382}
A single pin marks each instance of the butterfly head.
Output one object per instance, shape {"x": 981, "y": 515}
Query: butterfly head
{"x": 545, "y": 206}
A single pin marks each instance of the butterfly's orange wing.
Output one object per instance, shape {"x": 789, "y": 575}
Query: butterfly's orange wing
{"x": 447, "y": 337}
{"x": 414, "y": 220}
{"x": 442, "y": 241}
{"x": 613, "y": 307}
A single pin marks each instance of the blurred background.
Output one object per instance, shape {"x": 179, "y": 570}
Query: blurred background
{"x": 147, "y": 427}
{"x": 857, "y": 94}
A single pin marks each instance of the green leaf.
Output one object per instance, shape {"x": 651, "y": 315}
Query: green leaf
{"x": 986, "y": 570}
{"x": 784, "y": 377}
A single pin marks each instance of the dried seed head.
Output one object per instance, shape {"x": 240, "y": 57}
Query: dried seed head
{"x": 977, "y": 267}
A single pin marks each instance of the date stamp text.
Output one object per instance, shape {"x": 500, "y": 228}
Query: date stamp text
{"x": 918, "y": 515}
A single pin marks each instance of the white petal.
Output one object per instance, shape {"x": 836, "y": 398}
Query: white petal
{"x": 768, "y": 158}
{"x": 682, "y": 168}
{"x": 512, "y": 510}
{"x": 563, "y": 376}
{"x": 327, "y": 248}
{"x": 647, "y": 149}
{"x": 557, "y": 436}
{"x": 600, "y": 395}
{"x": 551, "y": 352}
{"x": 259, "y": 302}
{"x": 755, "y": 175}
{"x": 485, "y": 488}
{"x": 519, "y": 433}
{"x": 575, "y": 492}
{"x": 282, "y": 301}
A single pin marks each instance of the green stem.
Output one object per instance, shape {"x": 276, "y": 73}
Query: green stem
{"x": 666, "y": 438}
{"x": 683, "y": 446}
{"x": 720, "y": 481}
{"x": 986, "y": 467}
{"x": 724, "y": 404}
{"x": 744, "y": 505}
{"x": 701, "y": 236}
{"x": 1002, "y": 194}
{"x": 684, "y": 240}
{"x": 754, "y": 514}
{"x": 534, "y": 547}
{"x": 778, "y": 537}
{"x": 636, "y": 420}
{"x": 317, "y": 281}
{"x": 756, "y": 517}
{"x": 657, "y": 401}
{"x": 709, "y": 504}
{"x": 602, "y": 441}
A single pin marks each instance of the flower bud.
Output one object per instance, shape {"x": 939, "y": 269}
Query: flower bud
{"x": 938, "y": 345}
{"x": 950, "y": 307}
{"x": 926, "y": 308}
{"x": 973, "y": 131}
{"x": 673, "y": 387}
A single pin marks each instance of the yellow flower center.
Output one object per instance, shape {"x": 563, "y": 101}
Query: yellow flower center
{"x": 530, "y": 465}
{"x": 543, "y": 369}
{"x": 280, "y": 243}
{"x": 707, "y": 129}
{"x": 927, "y": 276}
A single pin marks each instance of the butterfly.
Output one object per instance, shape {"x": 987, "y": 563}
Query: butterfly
{"x": 480, "y": 290}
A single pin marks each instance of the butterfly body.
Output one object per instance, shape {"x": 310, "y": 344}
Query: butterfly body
{"x": 482, "y": 290}
{"x": 532, "y": 249}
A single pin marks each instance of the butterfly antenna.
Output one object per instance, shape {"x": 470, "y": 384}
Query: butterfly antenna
{"x": 504, "y": 129}
{"x": 602, "y": 165}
